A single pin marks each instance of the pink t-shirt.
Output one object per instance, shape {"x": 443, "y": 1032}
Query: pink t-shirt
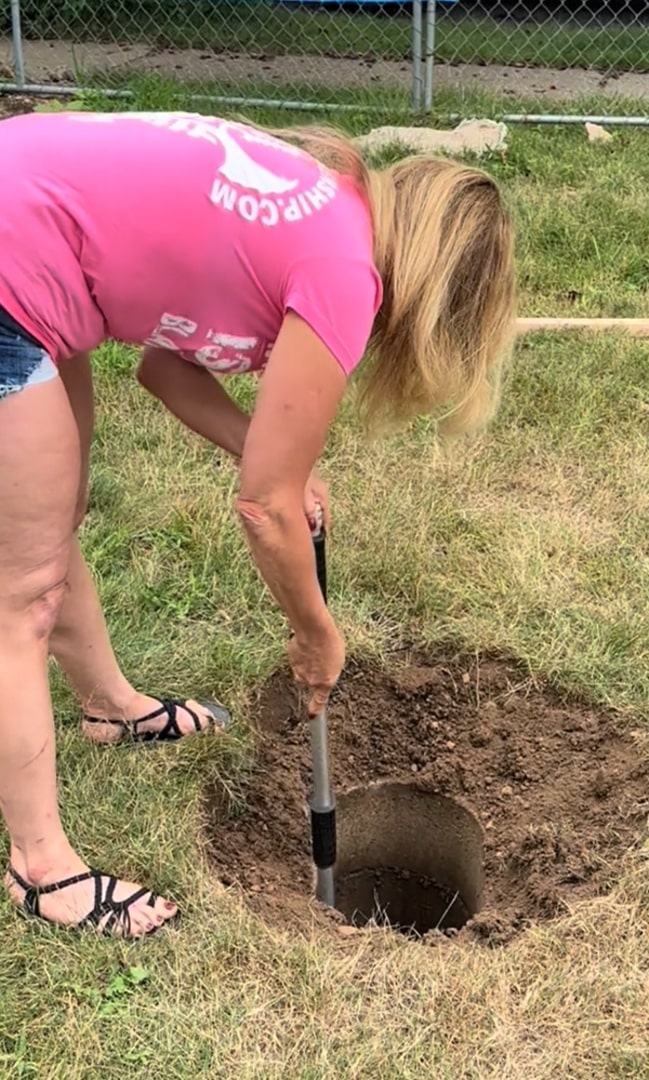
{"x": 192, "y": 233}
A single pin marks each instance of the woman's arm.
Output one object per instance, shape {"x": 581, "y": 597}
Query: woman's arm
{"x": 200, "y": 402}
{"x": 298, "y": 398}
{"x": 195, "y": 398}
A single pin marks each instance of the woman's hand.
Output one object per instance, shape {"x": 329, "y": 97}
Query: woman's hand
{"x": 317, "y": 663}
{"x": 317, "y": 493}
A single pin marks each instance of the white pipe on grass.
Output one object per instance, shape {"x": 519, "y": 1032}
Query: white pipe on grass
{"x": 636, "y": 327}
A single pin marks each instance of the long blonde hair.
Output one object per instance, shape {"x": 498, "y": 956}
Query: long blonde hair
{"x": 443, "y": 246}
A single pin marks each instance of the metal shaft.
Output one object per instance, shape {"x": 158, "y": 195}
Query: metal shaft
{"x": 17, "y": 45}
{"x": 417, "y": 81}
{"x": 429, "y": 60}
{"x": 321, "y": 798}
{"x": 325, "y": 888}
{"x": 322, "y": 803}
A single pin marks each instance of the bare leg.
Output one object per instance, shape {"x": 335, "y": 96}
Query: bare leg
{"x": 39, "y": 478}
{"x": 80, "y": 641}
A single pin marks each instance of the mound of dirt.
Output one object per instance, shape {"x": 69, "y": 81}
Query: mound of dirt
{"x": 559, "y": 788}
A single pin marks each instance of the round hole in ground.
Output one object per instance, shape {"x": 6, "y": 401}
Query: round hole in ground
{"x": 557, "y": 785}
{"x": 407, "y": 858}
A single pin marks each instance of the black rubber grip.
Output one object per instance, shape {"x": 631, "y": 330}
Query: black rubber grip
{"x": 321, "y": 562}
{"x": 323, "y": 834}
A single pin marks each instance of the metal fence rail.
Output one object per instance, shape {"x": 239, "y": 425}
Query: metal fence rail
{"x": 450, "y": 55}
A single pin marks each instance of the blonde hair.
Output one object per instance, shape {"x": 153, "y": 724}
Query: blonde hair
{"x": 443, "y": 246}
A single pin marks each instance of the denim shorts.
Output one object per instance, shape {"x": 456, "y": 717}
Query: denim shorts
{"x": 23, "y": 362}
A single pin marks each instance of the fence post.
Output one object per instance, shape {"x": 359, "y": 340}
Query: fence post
{"x": 417, "y": 23}
{"x": 430, "y": 55}
{"x": 17, "y": 45}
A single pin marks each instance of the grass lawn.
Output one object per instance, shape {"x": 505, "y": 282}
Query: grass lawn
{"x": 532, "y": 542}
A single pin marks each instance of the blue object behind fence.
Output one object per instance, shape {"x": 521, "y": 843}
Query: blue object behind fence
{"x": 357, "y": 3}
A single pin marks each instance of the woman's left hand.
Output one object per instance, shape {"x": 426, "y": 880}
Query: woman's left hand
{"x": 317, "y": 492}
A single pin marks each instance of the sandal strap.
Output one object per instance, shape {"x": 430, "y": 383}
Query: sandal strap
{"x": 128, "y": 723}
{"x": 31, "y": 902}
{"x": 110, "y": 912}
{"x": 105, "y": 911}
{"x": 171, "y": 732}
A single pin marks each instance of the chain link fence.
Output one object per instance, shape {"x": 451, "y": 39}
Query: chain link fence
{"x": 547, "y": 58}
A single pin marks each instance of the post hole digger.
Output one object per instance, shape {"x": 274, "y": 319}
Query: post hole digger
{"x": 321, "y": 802}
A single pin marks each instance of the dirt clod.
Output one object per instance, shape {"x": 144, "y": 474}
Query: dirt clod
{"x": 559, "y": 788}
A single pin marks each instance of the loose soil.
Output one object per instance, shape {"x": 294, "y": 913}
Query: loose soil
{"x": 559, "y": 788}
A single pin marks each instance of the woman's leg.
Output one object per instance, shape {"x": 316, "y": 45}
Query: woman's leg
{"x": 39, "y": 479}
{"x": 80, "y": 641}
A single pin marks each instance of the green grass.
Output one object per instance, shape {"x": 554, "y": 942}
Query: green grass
{"x": 264, "y": 28}
{"x": 357, "y": 102}
{"x": 533, "y": 542}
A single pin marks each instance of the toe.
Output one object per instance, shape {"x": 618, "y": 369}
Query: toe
{"x": 144, "y": 920}
{"x": 211, "y": 714}
{"x": 164, "y": 909}
{"x": 145, "y": 915}
{"x": 141, "y": 921}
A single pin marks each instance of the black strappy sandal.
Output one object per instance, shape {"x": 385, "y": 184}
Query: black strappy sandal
{"x": 106, "y": 915}
{"x": 171, "y": 732}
